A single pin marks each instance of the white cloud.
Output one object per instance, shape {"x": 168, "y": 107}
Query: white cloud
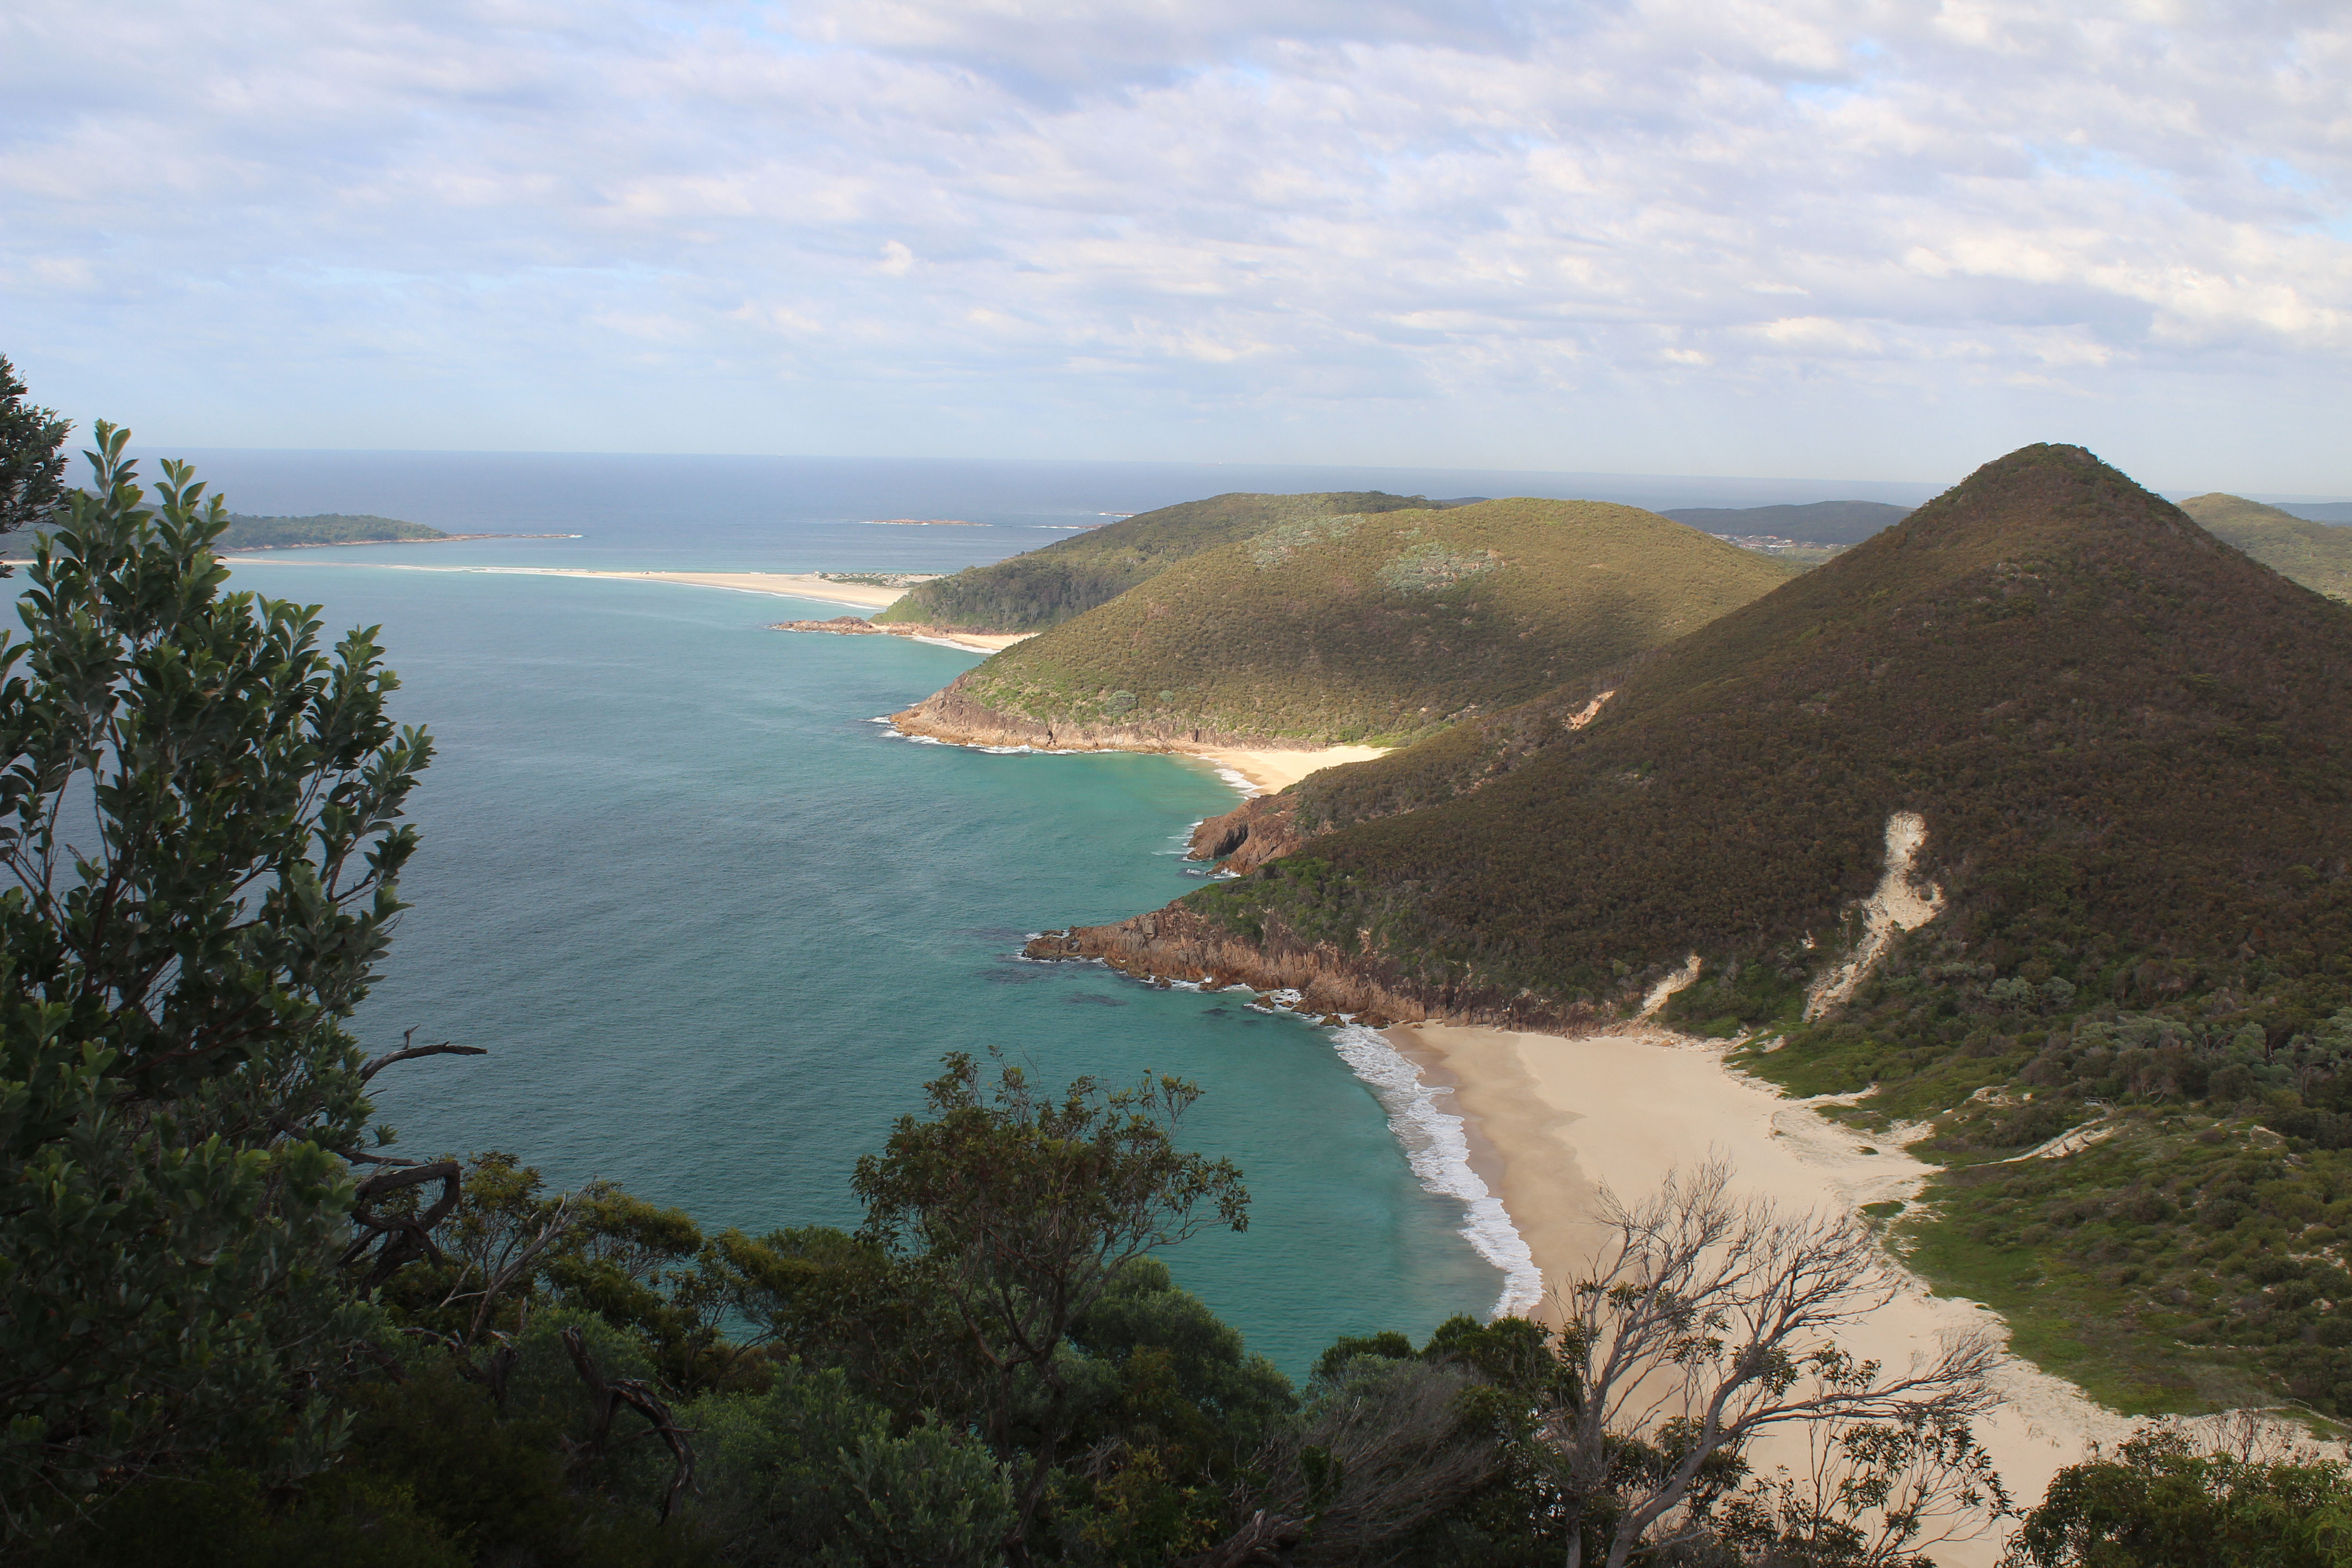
{"x": 1686, "y": 234}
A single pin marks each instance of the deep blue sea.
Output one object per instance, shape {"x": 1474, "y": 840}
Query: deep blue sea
{"x": 715, "y": 927}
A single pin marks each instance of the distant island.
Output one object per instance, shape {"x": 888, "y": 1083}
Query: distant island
{"x": 247, "y": 533}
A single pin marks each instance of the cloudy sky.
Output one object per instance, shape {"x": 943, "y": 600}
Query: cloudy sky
{"x": 1868, "y": 238}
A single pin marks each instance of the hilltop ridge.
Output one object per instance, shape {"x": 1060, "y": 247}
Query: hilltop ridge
{"x": 1367, "y": 628}
{"x": 1040, "y": 588}
{"x": 2316, "y": 555}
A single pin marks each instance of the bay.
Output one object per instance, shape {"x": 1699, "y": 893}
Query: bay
{"x": 716, "y": 927}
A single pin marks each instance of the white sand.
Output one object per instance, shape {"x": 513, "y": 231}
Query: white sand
{"x": 1270, "y": 770}
{"x": 784, "y": 585}
{"x": 1551, "y": 1117}
{"x": 1899, "y": 903}
{"x": 974, "y": 642}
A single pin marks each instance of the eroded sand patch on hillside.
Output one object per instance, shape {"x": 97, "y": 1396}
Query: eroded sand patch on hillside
{"x": 1899, "y": 903}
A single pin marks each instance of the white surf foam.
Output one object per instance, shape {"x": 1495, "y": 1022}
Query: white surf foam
{"x": 1438, "y": 1148}
{"x": 1248, "y": 790}
{"x": 892, "y": 732}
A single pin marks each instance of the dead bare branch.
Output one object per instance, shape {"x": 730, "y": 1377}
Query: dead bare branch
{"x": 607, "y": 1395}
{"x": 1707, "y": 1321}
{"x": 406, "y": 1237}
{"x": 409, "y": 1053}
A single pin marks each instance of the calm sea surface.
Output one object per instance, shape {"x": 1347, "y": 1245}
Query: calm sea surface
{"x": 715, "y": 927}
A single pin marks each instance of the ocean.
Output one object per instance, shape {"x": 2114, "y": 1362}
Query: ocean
{"x": 715, "y": 927}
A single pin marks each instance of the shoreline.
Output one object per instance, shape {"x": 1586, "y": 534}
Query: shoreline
{"x": 1271, "y": 770}
{"x": 778, "y": 584}
{"x": 1549, "y": 1119}
{"x": 1248, "y": 771}
{"x": 807, "y": 586}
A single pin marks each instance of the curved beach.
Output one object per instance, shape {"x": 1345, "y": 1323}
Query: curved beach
{"x": 1550, "y": 1118}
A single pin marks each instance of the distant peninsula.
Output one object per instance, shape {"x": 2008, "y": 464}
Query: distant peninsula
{"x": 247, "y": 533}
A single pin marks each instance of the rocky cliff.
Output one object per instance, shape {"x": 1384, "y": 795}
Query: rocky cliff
{"x": 955, "y": 716}
{"x": 1175, "y": 944}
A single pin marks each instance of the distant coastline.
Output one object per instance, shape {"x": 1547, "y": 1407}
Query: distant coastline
{"x": 436, "y": 538}
{"x": 844, "y": 588}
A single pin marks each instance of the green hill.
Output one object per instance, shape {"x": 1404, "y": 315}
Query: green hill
{"x": 1357, "y": 628}
{"x": 2313, "y": 553}
{"x": 2130, "y": 748}
{"x": 326, "y": 528}
{"x": 1045, "y": 587}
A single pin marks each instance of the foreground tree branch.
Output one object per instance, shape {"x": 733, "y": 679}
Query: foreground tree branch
{"x": 608, "y": 1396}
{"x": 1707, "y": 1321}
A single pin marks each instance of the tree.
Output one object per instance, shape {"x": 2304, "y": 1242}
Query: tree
{"x": 2246, "y": 1496}
{"x": 1021, "y": 1209}
{"x": 200, "y": 849}
{"x": 1705, "y": 1323}
{"x": 32, "y": 454}
{"x": 1870, "y": 1494}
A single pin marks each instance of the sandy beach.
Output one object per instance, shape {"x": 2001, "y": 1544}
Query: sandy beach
{"x": 781, "y": 585}
{"x": 1549, "y": 1119}
{"x": 784, "y": 585}
{"x": 1270, "y": 770}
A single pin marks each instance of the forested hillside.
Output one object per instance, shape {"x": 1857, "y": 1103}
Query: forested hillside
{"x": 2132, "y": 751}
{"x": 1045, "y": 587}
{"x": 2316, "y": 555}
{"x": 1357, "y": 628}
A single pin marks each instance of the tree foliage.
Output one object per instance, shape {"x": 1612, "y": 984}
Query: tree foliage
{"x": 32, "y": 454}
{"x": 2163, "y": 1500}
{"x": 1025, "y": 1208}
{"x": 199, "y": 823}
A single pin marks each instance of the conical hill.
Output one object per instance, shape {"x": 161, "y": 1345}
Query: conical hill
{"x": 2126, "y": 742}
{"x": 1365, "y": 628}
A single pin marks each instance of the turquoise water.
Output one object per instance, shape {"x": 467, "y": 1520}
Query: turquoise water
{"x": 716, "y": 929}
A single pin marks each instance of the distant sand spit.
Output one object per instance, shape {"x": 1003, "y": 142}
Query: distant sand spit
{"x": 784, "y": 585}
{"x": 1549, "y": 1119}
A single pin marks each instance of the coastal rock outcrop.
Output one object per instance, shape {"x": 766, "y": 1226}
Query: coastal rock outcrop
{"x": 953, "y": 715}
{"x": 1176, "y": 944}
{"x": 1258, "y": 830}
{"x": 859, "y": 626}
{"x": 840, "y": 625}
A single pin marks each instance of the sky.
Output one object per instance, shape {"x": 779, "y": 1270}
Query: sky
{"x": 1866, "y": 238}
